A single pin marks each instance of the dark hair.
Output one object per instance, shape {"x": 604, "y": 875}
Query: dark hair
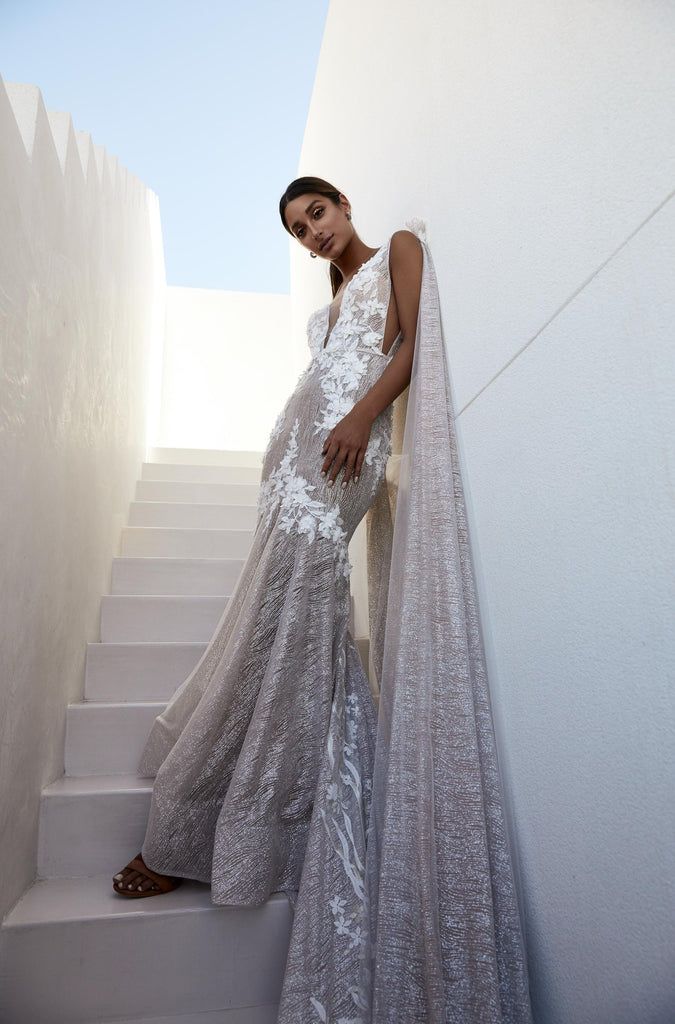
{"x": 300, "y": 187}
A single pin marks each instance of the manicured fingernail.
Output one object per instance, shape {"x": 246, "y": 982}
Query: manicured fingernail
{"x": 323, "y": 472}
{"x": 330, "y": 483}
{"x": 355, "y": 479}
{"x": 344, "y": 483}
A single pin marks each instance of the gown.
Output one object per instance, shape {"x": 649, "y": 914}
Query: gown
{"x": 379, "y": 812}
{"x": 237, "y": 753}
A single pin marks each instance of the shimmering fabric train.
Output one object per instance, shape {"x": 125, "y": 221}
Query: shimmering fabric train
{"x": 275, "y": 767}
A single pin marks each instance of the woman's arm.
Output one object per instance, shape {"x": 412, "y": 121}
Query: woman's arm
{"x": 346, "y": 443}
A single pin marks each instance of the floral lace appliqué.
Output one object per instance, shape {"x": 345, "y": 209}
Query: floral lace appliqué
{"x": 344, "y": 797}
{"x": 356, "y": 337}
{"x": 287, "y": 490}
{"x": 340, "y": 376}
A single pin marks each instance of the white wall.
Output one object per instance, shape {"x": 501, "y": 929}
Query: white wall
{"x": 81, "y": 296}
{"x": 228, "y": 368}
{"x": 536, "y": 141}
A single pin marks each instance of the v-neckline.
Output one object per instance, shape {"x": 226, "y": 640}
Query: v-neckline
{"x": 329, "y": 329}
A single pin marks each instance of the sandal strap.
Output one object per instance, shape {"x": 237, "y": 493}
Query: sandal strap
{"x": 138, "y": 864}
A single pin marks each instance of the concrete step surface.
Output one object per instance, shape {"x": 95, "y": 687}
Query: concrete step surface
{"x": 201, "y": 516}
{"x": 72, "y": 951}
{"x": 138, "y": 671}
{"x": 206, "y": 456}
{"x": 169, "y": 542}
{"x": 107, "y": 738}
{"x": 91, "y": 824}
{"x": 174, "y": 618}
{"x": 175, "y": 575}
{"x": 245, "y": 1015}
{"x": 189, "y": 472}
{"x": 199, "y": 492}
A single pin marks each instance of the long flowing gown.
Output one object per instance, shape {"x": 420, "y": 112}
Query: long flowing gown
{"x": 275, "y": 769}
{"x": 236, "y": 754}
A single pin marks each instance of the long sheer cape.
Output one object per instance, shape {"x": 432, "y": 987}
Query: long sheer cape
{"x": 445, "y": 929}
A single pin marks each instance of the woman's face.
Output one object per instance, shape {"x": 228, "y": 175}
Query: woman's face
{"x": 319, "y": 224}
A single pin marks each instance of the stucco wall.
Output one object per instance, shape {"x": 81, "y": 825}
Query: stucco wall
{"x": 535, "y": 140}
{"x": 81, "y": 293}
{"x": 228, "y": 368}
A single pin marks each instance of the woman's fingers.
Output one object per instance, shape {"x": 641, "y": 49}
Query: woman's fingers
{"x": 359, "y": 463}
{"x": 341, "y": 455}
{"x": 350, "y": 462}
{"x": 338, "y": 462}
{"x": 331, "y": 453}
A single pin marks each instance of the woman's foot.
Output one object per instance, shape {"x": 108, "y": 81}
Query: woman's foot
{"x": 137, "y": 879}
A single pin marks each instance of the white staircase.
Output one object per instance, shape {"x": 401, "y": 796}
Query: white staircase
{"x": 71, "y": 950}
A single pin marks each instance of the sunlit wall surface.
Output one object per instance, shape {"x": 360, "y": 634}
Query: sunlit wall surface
{"x": 81, "y": 303}
{"x": 227, "y": 369}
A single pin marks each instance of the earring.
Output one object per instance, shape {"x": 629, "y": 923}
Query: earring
{"x": 313, "y": 255}
{"x": 349, "y": 216}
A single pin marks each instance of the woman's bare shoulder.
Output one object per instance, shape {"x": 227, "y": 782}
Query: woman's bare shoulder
{"x": 406, "y": 234}
{"x": 404, "y": 244}
{"x": 405, "y": 249}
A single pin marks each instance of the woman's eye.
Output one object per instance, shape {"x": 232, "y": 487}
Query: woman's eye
{"x": 319, "y": 209}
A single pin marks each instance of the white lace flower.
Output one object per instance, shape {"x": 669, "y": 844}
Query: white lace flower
{"x": 369, "y": 272}
{"x": 371, "y": 339}
{"x": 337, "y": 904}
{"x": 341, "y": 373}
{"x": 290, "y": 493}
{"x": 372, "y": 307}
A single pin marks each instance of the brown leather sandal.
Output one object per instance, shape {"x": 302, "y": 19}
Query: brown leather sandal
{"x": 161, "y": 883}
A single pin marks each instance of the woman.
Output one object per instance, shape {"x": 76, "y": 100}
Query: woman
{"x": 274, "y": 770}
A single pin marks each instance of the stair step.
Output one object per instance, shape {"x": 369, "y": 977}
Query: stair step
{"x": 190, "y": 529}
{"x": 175, "y": 575}
{"x": 194, "y": 516}
{"x": 138, "y": 671}
{"x": 245, "y": 1015}
{"x": 91, "y": 824}
{"x": 74, "y": 952}
{"x": 186, "y": 618}
{"x": 199, "y": 492}
{"x": 107, "y": 738}
{"x": 206, "y": 456}
{"x": 201, "y": 474}
{"x": 153, "y": 541}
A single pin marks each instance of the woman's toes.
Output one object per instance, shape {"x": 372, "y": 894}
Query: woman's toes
{"x": 128, "y": 880}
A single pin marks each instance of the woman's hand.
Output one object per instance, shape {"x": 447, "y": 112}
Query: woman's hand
{"x": 345, "y": 446}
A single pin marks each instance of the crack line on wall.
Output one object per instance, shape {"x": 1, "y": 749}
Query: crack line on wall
{"x": 567, "y": 301}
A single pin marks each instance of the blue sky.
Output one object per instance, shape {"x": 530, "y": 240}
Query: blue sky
{"x": 206, "y": 102}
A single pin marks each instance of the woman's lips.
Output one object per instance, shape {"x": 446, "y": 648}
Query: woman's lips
{"x": 326, "y": 244}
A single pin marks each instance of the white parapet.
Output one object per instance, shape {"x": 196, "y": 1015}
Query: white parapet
{"x": 82, "y": 295}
